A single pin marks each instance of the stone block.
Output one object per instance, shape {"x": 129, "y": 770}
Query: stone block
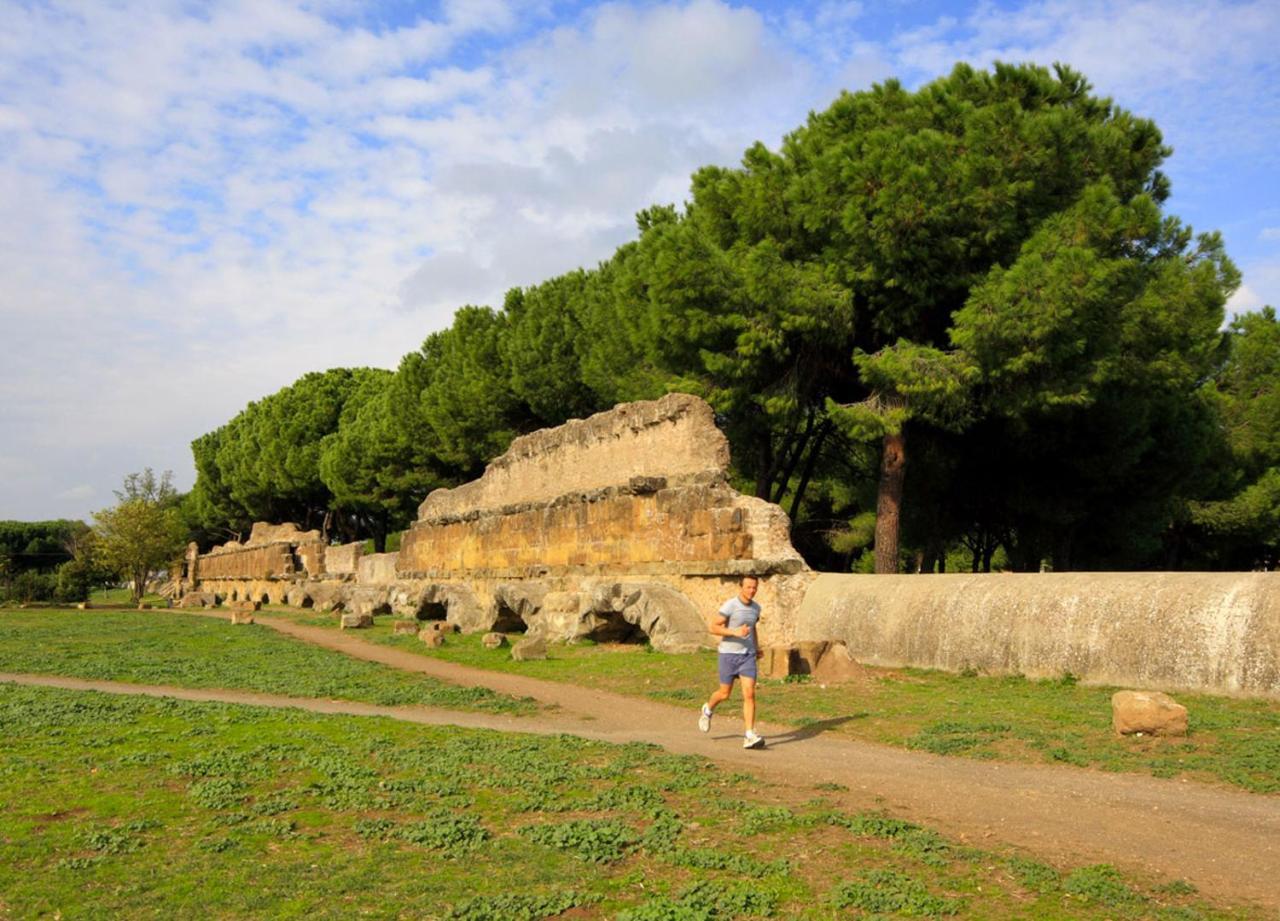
{"x": 531, "y": 647}
{"x": 776, "y": 662}
{"x": 404, "y": 626}
{"x": 836, "y": 666}
{"x": 432, "y": 638}
{"x": 494, "y": 640}
{"x": 1150, "y": 712}
{"x": 243, "y": 616}
{"x": 356, "y": 621}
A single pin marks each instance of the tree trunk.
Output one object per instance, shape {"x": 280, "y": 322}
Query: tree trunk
{"x": 893, "y": 469}
{"x": 814, "y": 451}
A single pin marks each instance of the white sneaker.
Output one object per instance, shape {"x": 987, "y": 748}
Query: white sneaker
{"x": 704, "y": 719}
{"x": 751, "y": 740}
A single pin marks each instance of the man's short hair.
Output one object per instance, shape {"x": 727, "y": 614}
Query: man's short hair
{"x": 755, "y": 579}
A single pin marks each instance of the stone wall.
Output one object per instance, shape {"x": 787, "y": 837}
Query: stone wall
{"x": 1203, "y": 631}
{"x": 674, "y": 438}
{"x": 619, "y": 526}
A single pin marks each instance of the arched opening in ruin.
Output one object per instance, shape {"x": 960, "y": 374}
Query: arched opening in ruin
{"x": 432, "y": 610}
{"x": 234, "y": 596}
{"x": 264, "y": 599}
{"x": 307, "y": 602}
{"x": 507, "y": 619}
{"x": 614, "y": 628}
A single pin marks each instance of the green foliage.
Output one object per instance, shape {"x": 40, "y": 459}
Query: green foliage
{"x": 1103, "y": 884}
{"x": 452, "y": 834}
{"x": 890, "y": 891}
{"x": 592, "y": 840}
{"x": 513, "y": 907}
{"x": 141, "y": 535}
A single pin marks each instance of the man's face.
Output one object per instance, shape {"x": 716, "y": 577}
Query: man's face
{"x": 747, "y": 590}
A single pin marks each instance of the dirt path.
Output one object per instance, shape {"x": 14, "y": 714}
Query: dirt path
{"x": 1225, "y": 842}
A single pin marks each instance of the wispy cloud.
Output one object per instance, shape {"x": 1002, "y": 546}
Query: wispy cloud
{"x": 198, "y": 204}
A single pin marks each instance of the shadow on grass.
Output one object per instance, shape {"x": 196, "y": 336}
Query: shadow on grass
{"x": 815, "y": 728}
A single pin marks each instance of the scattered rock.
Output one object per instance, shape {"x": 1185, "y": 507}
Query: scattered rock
{"x": 144, "y": 607}
{"x": 531, "y": 647}
{"x": 356, "y": 621}
{"x": 83, "y": 606}
{"x": 245, "y": 605}
{"x": 432, "y": 638}
{"x": 837, "y": 665}
{"x": 242, "y": 617}
{"x": 198, "y": 600}
{"x": 1151, "y": 712}
{"x": 494, "y": 640}
{"x": 404, "y": 626}
{"x": 776, "y": 662}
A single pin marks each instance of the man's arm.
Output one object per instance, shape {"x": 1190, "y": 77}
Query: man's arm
{"x": 719, "y": 626}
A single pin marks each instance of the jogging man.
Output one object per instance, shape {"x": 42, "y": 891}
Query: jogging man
{"x": 735, "y": 624}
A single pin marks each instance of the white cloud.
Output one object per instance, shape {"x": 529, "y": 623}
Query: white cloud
{"x": 198, "y": 207}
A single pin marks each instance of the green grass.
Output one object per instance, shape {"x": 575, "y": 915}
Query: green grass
{"x": 167, "y": 647}
{"x": 1232, "y": 741}
{"x": 119, "y": 807}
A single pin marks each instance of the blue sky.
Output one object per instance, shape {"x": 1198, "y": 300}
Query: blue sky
{"x": 201, "y": 202}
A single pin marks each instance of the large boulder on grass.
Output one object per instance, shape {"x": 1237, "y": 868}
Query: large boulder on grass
{"x": 531, "y": 647}
{"x": 1148, "y": 712}
{"x": 356, "y": 621}
{"x": 494, "y": 640}
{"x": 404, "y": 626}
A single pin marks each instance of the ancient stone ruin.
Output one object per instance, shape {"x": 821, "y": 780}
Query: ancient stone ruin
{"x": 617, "y": 527}
{"x": 623, "y": 527}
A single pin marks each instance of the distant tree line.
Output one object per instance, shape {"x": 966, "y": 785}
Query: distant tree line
{"x": 949, "y": 328}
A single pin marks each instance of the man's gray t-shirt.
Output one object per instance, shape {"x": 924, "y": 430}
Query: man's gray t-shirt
{"x": 739, "y": 614}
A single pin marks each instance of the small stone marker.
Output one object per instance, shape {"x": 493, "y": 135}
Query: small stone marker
{"x": 82, "y": 606}
{"x": 144, "y": 607}
{"x": 404, "y": 626}
{"x": 776, "y": 662}
{"x": 531, "y": 647}
{"x": 1150, "y": 712}
{"x": 242, "y": 617}
{"x": 432, "y": 638}
{"x": 356, "y": 621}
{"x": 494, "y": 640}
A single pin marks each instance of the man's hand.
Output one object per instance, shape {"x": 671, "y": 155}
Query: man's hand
{"x": 743, "y": 631}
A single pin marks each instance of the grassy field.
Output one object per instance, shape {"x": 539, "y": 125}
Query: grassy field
{"x": 1232, "y": 740}
{"x": 116, "y": 807}
{"x": 168, "y": 647}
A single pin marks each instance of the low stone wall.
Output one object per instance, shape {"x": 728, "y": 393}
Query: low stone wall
{"x": 1216, "y": 632}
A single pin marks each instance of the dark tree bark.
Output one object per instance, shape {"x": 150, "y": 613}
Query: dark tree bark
{"x": 893, "y": 469}
{"x": 812, "y": 462}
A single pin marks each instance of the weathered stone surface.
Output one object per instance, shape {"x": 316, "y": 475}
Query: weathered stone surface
{"x": 377, "y": 569}
{"x": 1150, "y": 712}
{"x": 368, "y": 599}
{"x": 494, "y": 640}
{"x": 776, "y": 662}
{"x": 242, "y": 616}
{"x": 343, "y": 558}
{"x": 246, "y": 604}
{"x": 404, "y": 626}
{"x": 83, "y": 606}
{"x": 356, "y": 621}
{"x": 836, "y": 666}
{"x": 671, "y": 438}
{"x": 531, "y": 647}
{"x": 1215, "y": 631}
{"x": 263, "y": 532}
{"x": 431, "y": 638}
{"x": 328, "y": 596}
{"x": 198, "y": 600}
